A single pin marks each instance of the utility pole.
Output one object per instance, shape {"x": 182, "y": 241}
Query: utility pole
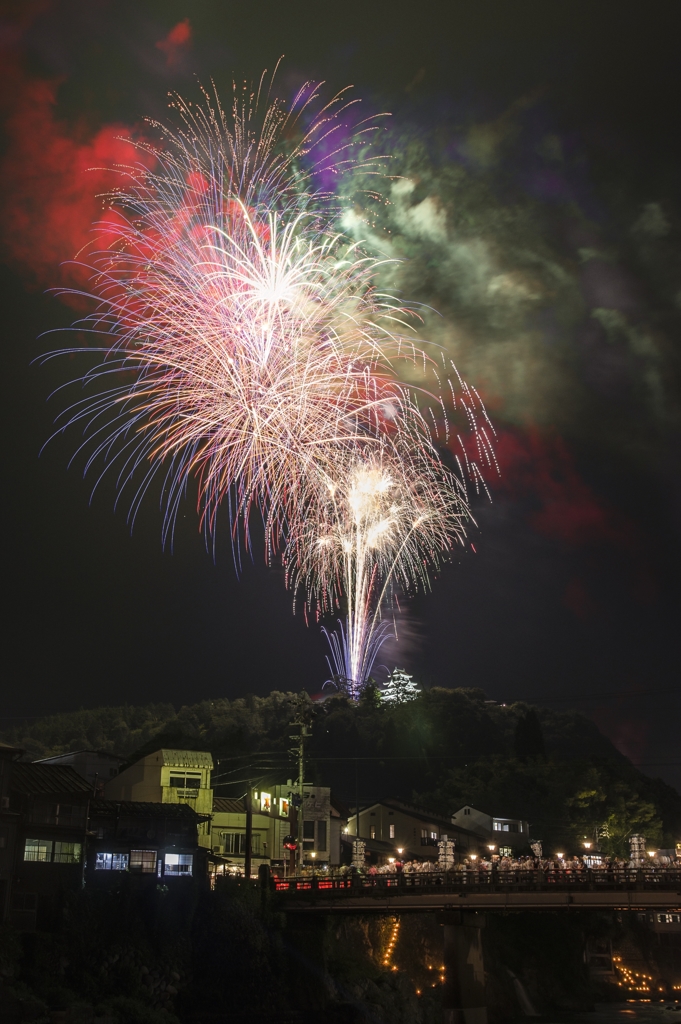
{"x": 248, "y": 852}
{"x": 299, "y": 751}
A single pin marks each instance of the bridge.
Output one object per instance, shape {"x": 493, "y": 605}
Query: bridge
{"x": 462, "y": 897}
{"x": 595, "y": 889}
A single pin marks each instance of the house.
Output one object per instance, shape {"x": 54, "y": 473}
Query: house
{"x": 506, "y": 835}
{"x": 9, "y": 822}
{"x": 97, "y": 766}
{"x": 151, "y": 842}
{"x": 169, "y": 777}
{"x": 412, "y": 832}
{"x": 51, "y": 807}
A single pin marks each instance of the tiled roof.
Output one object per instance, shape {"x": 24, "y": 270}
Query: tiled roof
{"x": 183, "y": 758}
{"x": 226, "y": 805}
{"x": 31, "y": 779}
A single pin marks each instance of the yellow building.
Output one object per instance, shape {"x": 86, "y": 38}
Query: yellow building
{"x": 169, "y": 777}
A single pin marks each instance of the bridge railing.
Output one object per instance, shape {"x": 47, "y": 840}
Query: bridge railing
{"x": 494, "y": 880}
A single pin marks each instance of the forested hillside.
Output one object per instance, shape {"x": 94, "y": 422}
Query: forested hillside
{"x": 442, "y": 749}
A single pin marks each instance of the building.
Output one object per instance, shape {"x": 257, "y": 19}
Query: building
{"x": 411, "y": 832}
{"x": 273, "y": 819}
{"x": 169, "y": 777}
{"x": 152, "y": 842}
{"x": 228, "y": 831}
{"x": 51, "y": 804}
{"x": 506, "y": 835}
{"x": 96, "y": 766}
{"x": 9, "y": 822}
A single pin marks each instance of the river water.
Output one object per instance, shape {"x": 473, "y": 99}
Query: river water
{"x": 636, "y": 1013}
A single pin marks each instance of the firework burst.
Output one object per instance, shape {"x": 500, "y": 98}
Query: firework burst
{"x": 244, "y": 346}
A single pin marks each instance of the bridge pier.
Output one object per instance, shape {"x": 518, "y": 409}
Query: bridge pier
{"x": 463, "y": 999}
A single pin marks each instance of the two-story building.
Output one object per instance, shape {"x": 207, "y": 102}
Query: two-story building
{"x": 273, "y": 818}
{"x": 51, "y": 807}
{"x": 169, "y": 777}
{"x": 152, "y": 842}
{"x": 411, "y": 832}
{"x": 500, "y": 835}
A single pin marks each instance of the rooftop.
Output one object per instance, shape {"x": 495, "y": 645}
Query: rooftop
{"x": 32, "y": 779}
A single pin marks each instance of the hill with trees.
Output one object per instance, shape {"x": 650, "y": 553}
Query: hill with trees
{"x": 439, "y": 748}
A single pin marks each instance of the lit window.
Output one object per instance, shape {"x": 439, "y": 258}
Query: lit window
{"x": 111, "y": 862}
{"x": 433, "y": 835}
{"x": 178, "y": 864}
{"x": 424, "y": 833}
{"x": 391, "y": 830}
{"x": 143, "y": 861}
{"x": 372, "y": 832}
{"x": 38, "y": 850}
{"x": 496, "y": 825}
{"x": 67, "y": 853}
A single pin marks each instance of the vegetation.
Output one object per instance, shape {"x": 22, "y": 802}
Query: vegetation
{"x": 443, "y": 748}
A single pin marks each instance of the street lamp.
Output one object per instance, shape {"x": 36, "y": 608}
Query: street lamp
{"x": 560, "y": 856}
{"x": 400, "y": 850}
{"x": 587, "y": 846}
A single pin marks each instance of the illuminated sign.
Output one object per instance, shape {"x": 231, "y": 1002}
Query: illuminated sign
{"x": 265, "y": 801}
{"x": 284, "y": 807}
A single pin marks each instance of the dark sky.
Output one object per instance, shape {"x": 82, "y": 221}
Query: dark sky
{"x": 544, "y": 225}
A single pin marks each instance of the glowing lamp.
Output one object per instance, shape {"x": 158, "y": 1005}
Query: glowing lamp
{"x": 391, "y": 860}
{"x": 400, "y": 850}
{"x": 313, "y": 854}
{"x": 491, "y": 846}
{"x": 587, "y": 846}
{"x": 651, "y": 853}
{"x": 560, "y": 856}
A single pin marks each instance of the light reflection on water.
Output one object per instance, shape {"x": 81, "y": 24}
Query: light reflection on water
{"x": 637, "y": 1013}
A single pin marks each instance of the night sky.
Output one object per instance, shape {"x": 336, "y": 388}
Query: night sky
{"x": 544, "y": 230}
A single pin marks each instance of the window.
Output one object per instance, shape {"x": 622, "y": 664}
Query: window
{"x": 466, "y": 810}
{"x": 372, "y": 832}
{"x": 4, "y": 833}
{"x": 669, "y": 918}
{"x": 505, "y": 851}
{"x": 321, "y": 835}
{"x": 185, "y": 780}
{"x": 235, "y": 842}
{"x": 178, "y": 864}
{"x": 496, "y": 825}
{"x": 111, "y": 862}
{"x": 38, "y": 850}
{"x": 143, "y": 861}
{"x": 424, "y": 833}
{"x": 67, "y": 853}
{"x": 433, "y": 835}
{"x": 391, "y": 830}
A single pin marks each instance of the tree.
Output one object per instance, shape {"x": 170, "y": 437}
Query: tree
{"x": 528, "y": 741}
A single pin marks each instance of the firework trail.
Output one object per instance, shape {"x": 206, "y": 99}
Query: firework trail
{"x": 383, "y": 522}
{"x": 244, "y": 346}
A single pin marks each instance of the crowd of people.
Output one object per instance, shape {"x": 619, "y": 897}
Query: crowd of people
{"x": 477, "y": 868}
